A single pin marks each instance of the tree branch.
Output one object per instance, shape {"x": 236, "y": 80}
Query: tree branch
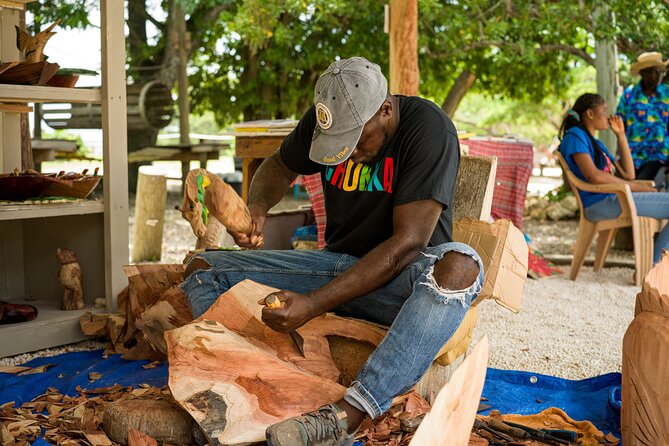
{"x": 581, "y": 54}
{"x": 209, "y": 15}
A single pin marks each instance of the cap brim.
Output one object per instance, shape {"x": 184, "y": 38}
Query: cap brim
{"x": 331, "y": 150}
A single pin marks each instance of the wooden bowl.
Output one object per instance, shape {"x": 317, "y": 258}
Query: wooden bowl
{"x": 22, "y": 187}
{"x": 63, "y": 80}
{"x": 79, "y": 188}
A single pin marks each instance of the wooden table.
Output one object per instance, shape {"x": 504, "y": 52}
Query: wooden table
{"x": 185, "y": 153}
{"x": 255, "y": 141}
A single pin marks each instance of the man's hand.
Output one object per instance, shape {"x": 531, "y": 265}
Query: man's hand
{"x": 295, "y": 311}
{"x": 255, "y": 239}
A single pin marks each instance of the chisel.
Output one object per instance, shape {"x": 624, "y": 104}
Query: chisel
{"x": 272, "y": 301}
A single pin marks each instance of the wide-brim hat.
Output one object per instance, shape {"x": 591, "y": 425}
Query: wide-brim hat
{"x": 347, "y": 95}
{"x": 648, "y": 60}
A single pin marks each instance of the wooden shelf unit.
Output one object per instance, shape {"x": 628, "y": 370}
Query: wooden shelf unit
{"x": 97, "y": 231}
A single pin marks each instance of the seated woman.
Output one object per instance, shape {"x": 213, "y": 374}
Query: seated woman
{"x": 590, "y": 161}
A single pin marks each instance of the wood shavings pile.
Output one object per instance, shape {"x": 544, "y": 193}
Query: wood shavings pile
{"x": 66, "y": 420}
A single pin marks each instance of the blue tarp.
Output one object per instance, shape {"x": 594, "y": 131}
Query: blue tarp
{"x": 594, "y": 399}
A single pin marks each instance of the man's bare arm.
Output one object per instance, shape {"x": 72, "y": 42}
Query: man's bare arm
{"x": 413, "y": 224}
{"x": 268, "y": 186}
{"x": 270, "y": 182}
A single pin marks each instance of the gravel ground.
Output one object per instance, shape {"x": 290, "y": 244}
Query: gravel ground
{"x": 569, "y": 329}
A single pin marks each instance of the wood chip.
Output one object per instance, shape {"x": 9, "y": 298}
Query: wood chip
{"x": 152, "y": 365}
{"x": 98, "y": 438}
{"x": 40, "y": 369}
{"x": 94, "y": 376}
{"x": 13, "y": 369}
{"x": 5, "y": 436}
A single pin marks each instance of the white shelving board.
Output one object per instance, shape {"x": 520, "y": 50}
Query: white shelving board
{"x": 54, "y": 326}
{"x": 24, "y": 211}
{"x": 32, "y": 93}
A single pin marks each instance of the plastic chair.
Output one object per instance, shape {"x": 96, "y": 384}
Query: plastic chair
{"x": 643, "y": 228}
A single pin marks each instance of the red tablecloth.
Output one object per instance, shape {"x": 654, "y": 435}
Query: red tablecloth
{"x": 514, "y": 168}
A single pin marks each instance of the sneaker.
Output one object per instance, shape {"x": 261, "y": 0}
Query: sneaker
{"x": 328, "y": 426}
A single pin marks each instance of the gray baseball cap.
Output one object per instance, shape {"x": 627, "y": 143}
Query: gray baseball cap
{"x": 346, "y": 96}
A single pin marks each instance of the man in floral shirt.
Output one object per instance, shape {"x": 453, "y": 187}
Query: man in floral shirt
{"x": 644, "y": 108}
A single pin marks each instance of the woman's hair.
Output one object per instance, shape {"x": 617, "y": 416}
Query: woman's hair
{"x": 574, "y": 118}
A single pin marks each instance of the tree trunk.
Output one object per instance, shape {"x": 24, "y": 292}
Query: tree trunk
{"x": 462, "y": 84}
{"x": 404, "y": 74}
{"x": 149, "y": 216}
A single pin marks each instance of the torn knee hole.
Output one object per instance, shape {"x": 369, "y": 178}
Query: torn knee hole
{"x": 196, "y": 264}
{"x": 456, "y": 271}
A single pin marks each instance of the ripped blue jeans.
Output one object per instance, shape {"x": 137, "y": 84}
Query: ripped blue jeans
{"x": 422, "y": 316}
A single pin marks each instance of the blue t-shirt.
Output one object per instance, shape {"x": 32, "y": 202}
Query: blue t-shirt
{"x": 575, "y": 140}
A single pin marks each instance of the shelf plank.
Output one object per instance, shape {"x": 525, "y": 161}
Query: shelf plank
{"x": 51, "y": 328}
{"x": 25, "y": 211}
{"x": 33, "y": 93}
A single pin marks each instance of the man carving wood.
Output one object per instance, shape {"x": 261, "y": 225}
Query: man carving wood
{"x": 388, "y": 166}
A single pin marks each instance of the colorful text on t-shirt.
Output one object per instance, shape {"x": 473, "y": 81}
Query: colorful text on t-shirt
{"x": 350, "y": 176}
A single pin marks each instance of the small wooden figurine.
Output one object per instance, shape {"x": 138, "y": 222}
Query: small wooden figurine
{"x": 69, "y": 276}
{"x": 32, "y": 47}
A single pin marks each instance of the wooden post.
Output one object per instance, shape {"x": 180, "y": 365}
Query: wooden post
{"x": 404, "y": 74}
{"x": 114, "y": 148}
{"x": 149, "y": 214}
{"x": 607, "y": 76}
{"x": 182, "y": 42}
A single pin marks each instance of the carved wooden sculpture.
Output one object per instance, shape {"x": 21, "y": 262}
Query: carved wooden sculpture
{"x": 32, "y": 47}
{"x": 236, "y": 376}
{"x": 209, "y": 205}
{"x": 645, "y": 381}
{"x": 69, "y": 276}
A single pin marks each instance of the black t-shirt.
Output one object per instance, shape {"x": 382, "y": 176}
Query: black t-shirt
{"x": 420, "y": 162}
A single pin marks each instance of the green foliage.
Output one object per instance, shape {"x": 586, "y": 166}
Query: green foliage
{"x": 538, "y": 121}
{"x": 255, "y": 59}
{"x": 72, "y": 13}
{"x": 559, "y": 193}
{"x": 262, "y": 59}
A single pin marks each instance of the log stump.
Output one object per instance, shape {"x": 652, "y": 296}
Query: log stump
{"x": 160, "y": 419}
{"x": 149, "y": 215}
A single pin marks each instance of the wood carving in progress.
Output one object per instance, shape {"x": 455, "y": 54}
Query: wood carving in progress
{"x": 645, "y": 382}
{"x": 69, "y": 276}
{"x": 236, "y": 376}
{"x": 210, "y": 205}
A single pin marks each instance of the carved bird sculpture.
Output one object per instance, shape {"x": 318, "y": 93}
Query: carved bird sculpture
{"x": 32, "y": 47}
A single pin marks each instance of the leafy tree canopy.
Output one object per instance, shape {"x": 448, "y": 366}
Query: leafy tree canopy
{"x": 254, "y": 59}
